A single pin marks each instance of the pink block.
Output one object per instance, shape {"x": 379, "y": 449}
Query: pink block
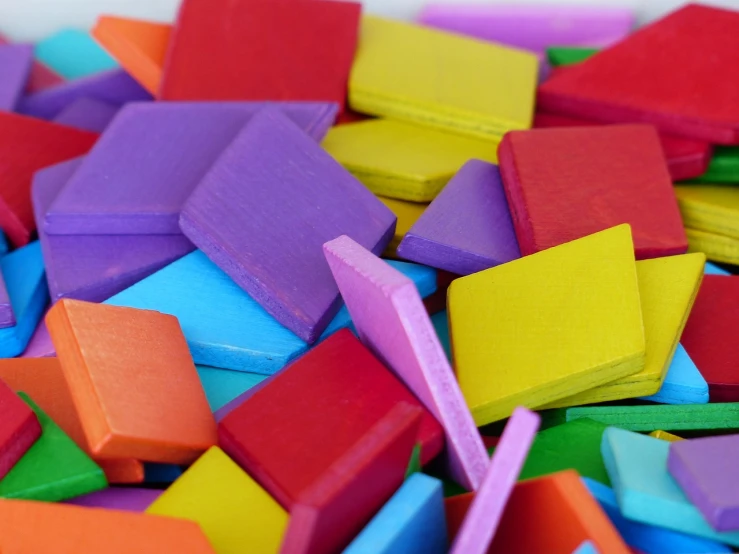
{"x": 40, "y": 345}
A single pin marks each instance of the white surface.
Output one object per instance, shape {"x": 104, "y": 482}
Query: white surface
{"x": 35, "y": 19}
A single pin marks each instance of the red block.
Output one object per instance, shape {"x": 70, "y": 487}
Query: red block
{"x": 27, "y": 145}
{"x": 710, "y": 336}
{"x": 679, "y": 73}
{"x": 566, "y": 183}
{"x": 261, "y": 50}
{"x": 41, "y": 77}
{"x": 19, "y": 428}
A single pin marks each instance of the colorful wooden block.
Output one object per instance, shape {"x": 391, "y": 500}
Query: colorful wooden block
{"x": 43, "y": 527}
{"x": 407, "y": 214}
{"x": 7, "y": 318}
{"x": 683, "y": 383}
{"x": 665, "y": 436}
{"x": 710, "y": 208}
{"x": 396, "y": 74}
{"x": 39, "y": 77}
{"x": 223, "y": 325}
{"x": 565, "y": 183}
{"x": 390, "y": 317}
{"x": 537, "y": 292}
{"x": 95, "y": 267}
{"x": 233, "y": 511}
{"x": 412, "y": 521}
{"x": 40, "y": 345}
{"x": 19, "y": 428}
{"x": 87, "y": 114}
{"x": 221, "y": 386}
{"x": 468, "y": 227}
{"x": 718, "y": 248}
{"x": 4, "y": 246}
{"x": 622, "y": 84}
{"x": 15, "y": 65}
{"x": 569, "y": 55}
{"x": 403, "y": 160}
{"x": 244, "y": 209}
{"x": 646, "y": 492}
{"x": 133, "y": 382}
{"x": 73, "y": 54}
{"x": 713, "y": 269}
{"x": 586, "y": 548}
{"x": 724, "y": 166}
{"x": 307, "y": 54}
{"x": 139, "y": 46}
{"x": 118, "y": 498}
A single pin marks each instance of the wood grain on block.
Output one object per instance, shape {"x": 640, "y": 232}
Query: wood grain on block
{"x": 717, "y": 248}
{"x": 15, "y": 65}
{"x": 19, "y": 428}
{"x": 87, "y": 114}
{"x": 129, "y": 499}
{"x": 710, "y": 208}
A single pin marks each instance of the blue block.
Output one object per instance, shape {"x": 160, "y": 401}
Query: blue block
{"x": 441, "y": 326}
{"x": 646, "y": 538}
{"x": 712, "y": 269}
{"x": 586, "y": 548}
{"x": 4, "y": 246}
{"x": 223, "y": 385}
{"x": 223, "y": 325}
{"x": 411, "y": 522}
{"x": 645, "y": 490}
{"x": 161, "y": 473}
{"x": 683, "y": 383}
{"x": 73, "y": 54}
{"x": 25, "y": 279}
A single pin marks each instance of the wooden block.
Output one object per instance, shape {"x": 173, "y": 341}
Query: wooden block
{"x": 233, "y": 511}
{"x": 710, "y": 208}
{"x": 19, "y": 428}
{"x": 713, "y": 269}
{"x": 221, "y": 386}
{"x": 683, "y": 383}
{"x": 585, "y": 548}
{"x": 330, "y": 512}
{"x": 724, "y": 166}
{"x": 665, "y": 436}
{"x": 95, "y": 267}
{"x": 412, "y": 521}
{"x": 87, "y": 114}
{"x": 42, "y": 527}
{"x": 15, "y": 65}
{"x": 486, "y": 510}
{"x": 407, "y": 214}
{"x": 39, "y": 77}
{"x": 44, "y": 381}
{"x": 133, "y": 382}
{"x": 73, "y": 54}
{"x": 404, "y": 160}
{"x": 395, "y": 74}
{"x": 242, "y": 212}
{"x": 40, "y": 345}
{"x": 569, "y": 55}
{"x": 139, "y": 46}
{"x": 7, "y": 317}
{"x": 390, "y": 317}
{"x": 468, "y": 227}
{"x": 223, "y": 325}
{"x": 718, "y": 248}
{"x": 645, "y": 490}
{"x": 356, "y": 391}
{"x": 565, "y": 183}
{"x": 622, "y": 84}
{"x": 208, "y": 58}
{"x": 118, "y": 498}
{"x": 537, "y": 292}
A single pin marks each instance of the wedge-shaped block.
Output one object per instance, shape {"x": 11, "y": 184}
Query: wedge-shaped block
{"x": 683, "y": 384}
{"x": 73, "y": 54}
{"x": 19, "y": 428}
{"x": 129, "y": 499}
{"x": 710, "y": 208}
{"x": 713, "y": 269}
{"x": 717, "y": 248}
{"x": 132, "y": 381}
{"x": 15, "y": 66}
{"x": 547, "y": 326}
{"x": 87, "y": 114}
{"x": 407, "y": 214}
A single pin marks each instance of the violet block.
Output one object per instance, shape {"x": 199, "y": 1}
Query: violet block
{"x": 87, "y": 114}
{"x": 15, "y": 67}
{"x": 7, "y": 317}
{"x": 40, "y": 345}
{"x": 118, "y": 498}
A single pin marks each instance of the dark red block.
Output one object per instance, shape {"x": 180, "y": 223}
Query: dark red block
{"x": 566, "y": 183}
{"x": 19, "y": 428}
{"x": 261, "y": 50}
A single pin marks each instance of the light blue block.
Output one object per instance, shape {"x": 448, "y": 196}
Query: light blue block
{"x": 4, "y": 246}
{"x": 647, "y": 538}
{"x": 411, "y": 522}
{"x": 25, "y": 279}
{"x": 712, "y": 269}
{"x": 645, "y": 490}
{"x": 73, "y": 54}
{"x": 683, "y": 383}
{"x": 586, "y": 548}
{"x": 441, "y": 326}
{"x": 223, "y": 385}
{"x": 223, "y": 325}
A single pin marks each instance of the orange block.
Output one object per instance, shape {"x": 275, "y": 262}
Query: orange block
{"x": 42, "y": 379}
{"x": 28, "y": 527}
{"x": 553, "y": 514}
{"x": 132, "y": 381}
{"x": 139, "y": 46}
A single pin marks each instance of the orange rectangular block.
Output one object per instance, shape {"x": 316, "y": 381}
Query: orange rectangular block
{"x": 132, "y": 381}
{"x": 42, "y": 379}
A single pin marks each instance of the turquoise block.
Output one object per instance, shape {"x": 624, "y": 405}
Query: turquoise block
{"x": 645, "y": 490}
{"x": 411, "y": 522}
{"x": 712, "y": 269}
{"x": 25, "y": 279}
{"x": 441, "y": 326}
{"x": 73, "y": 54}
{"x": 223, "y": 325}
{"x": 223, "y": 385}
{"x": 586, "y": 548}
{"x": 683, "y": 383}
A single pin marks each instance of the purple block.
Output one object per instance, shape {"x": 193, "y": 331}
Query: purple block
{"x": 264, "y": 210}
{"x": 15, "y": 67}
{"x": 150, "y": 159}
{"x": 114, "y": 87}
{"x": 118, "y": 498}
{"x": 7, "y": 317}
{"x": 468, "y": 227}
{"x": 40, "y": 345}
{"x": 87, "y": 114}
{"x": 95, "y": 267}
{"x": 707, "y": 471}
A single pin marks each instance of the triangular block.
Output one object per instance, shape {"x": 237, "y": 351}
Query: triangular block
{"x": 683, "y": 383}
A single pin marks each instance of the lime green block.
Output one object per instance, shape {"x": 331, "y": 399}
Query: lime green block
{"x": 414, "y": 465}
{"x": 724, "y": 166}
{"x": 568, "y": 55}
{"x": 53, "y": 469}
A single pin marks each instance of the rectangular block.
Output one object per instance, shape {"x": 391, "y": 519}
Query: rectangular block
{"x": 15, "y": 67}
{"x": 19, "y": 428}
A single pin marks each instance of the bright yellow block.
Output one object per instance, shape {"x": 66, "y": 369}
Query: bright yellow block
{"x": 234, "y": 512}
{"x": 710, "y": 208}
{"x": 667, "y": 288}
{"x": 403, "y": 160}
{"x": 547, "y": 326}
{"x": 665, "y": 436}
{"x": 717, "y": 248}
{"x": 415, "y": 73}
{"x": 407, "y": 214}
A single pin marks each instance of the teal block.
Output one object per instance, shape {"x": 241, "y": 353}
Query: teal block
{"x": 441, "y": 326}
{"x": 645, "y": 490}
{"x": 712, "y": 269}
{"x": 586, "y": 548}
{"x": 683, "y": 383}
{"x": 73, "y": 54}
{"x": 223, "y": 385}
{"x": 223, "y": 325}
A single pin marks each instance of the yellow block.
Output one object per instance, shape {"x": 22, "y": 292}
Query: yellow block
{"x": 710, "y": 208}
{"x": 547, "y": 326}
{"x": 717, "y": 248}
{"x": 667, "y": 287}
{"x": 407, "y": 214}
{"x": 415, "y": 73}
{"x": 233, "y": 511}
{"x": 403, "y": 160}
{"x": 665, "y": 436}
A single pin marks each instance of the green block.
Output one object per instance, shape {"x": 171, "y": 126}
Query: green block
{"x": 723, "y": 168}
{"x": 568, "y": 55}
{"x": 53, "y": 469}
{"x": 414, "y": 465}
